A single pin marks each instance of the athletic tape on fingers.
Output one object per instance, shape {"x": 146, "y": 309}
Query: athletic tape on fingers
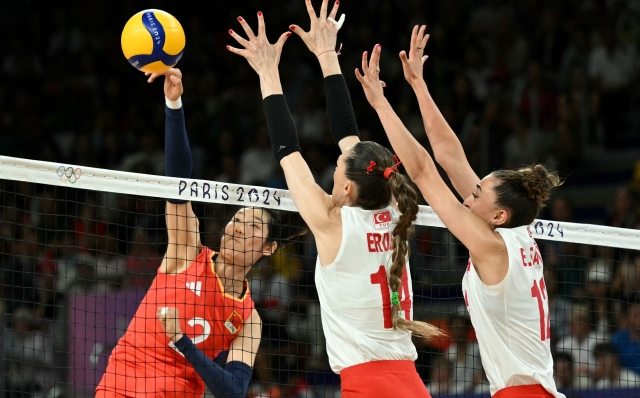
{"x": 338, "y": 23}
{"x": 163, "y": 310}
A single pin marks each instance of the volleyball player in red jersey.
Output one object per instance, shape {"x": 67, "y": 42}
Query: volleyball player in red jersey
{"x": 198, "y": 308}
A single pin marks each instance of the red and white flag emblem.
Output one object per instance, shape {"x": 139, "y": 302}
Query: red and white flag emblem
{"x": 382, "y": 219}
{"x": 234, "y": 322}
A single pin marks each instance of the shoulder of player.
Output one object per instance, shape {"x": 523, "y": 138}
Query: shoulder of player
{"x": 494, "y": 245}
{"x": 328, "y": 224}
{"x": 254, "y": 320}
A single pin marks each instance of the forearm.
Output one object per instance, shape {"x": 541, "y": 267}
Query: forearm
{"x": 282, "y": 129}
{"x": 329, "y": 64}
{"x": 413, "y": 155}
{"x": 270, "y": 83}
{"x": 223, "y": 383}
{"x": 177, "y": 152}
{"x": 446, "y": 145}
{"x": 342, "y": 119}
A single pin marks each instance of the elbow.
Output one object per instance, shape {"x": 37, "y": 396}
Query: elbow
{"x": 418, "y": 174}
{"x": 447, "y": 157}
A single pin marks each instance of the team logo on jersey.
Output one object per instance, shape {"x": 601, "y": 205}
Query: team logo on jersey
{"x": 382, "y": 219}
{"x": 234, "y": 322}
{"x": 195, "y": 287}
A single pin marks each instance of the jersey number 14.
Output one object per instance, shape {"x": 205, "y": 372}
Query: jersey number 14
{"x": 380, "y": 278}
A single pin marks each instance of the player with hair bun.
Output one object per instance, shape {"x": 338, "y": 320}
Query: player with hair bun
{"x": 503, "y": 285}
{"x": 361, "y": 230}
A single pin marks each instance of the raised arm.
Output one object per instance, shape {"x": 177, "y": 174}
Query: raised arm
{"x": 485, "y": 246}
{"x": 182, "y": 224}
{"x": 321, "y": 40}
{"x": 447, "y": 148}
{"x": 315, "y": 206}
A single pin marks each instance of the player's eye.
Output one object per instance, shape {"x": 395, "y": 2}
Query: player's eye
{"x": 474, "y": 196}
{"x": 253, "y": 225}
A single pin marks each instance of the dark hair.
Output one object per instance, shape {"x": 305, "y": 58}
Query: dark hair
{"x": 524, "y": 192}
{"x": 604, "y": 348}
{"x": 274, "y": 232}
{"x": 563, "y": 356}
{"x": 376, "y": 192}
{"x": 278, "y": 232}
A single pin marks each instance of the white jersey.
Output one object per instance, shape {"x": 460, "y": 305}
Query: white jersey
{"x": 355, "y": 298}
{"x": 511, "y": 319}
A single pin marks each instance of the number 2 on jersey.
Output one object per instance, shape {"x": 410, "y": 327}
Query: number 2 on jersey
{"x": 198, "y": 339}
{"x": 380, "y": 278}
{"x": 539, "y": 292}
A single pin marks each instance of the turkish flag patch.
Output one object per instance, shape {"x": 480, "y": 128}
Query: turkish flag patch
{"x": 382, "y": 219}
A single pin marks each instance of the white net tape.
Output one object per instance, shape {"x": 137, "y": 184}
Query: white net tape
{"x": 244, "y": 195}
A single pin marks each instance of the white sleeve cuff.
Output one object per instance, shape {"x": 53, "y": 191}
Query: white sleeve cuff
{"x": 177, "y": 104}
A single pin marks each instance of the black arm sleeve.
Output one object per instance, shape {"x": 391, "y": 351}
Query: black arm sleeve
{"x": 282, "y": 129}
{"x": 177, "y": 152}
{"x": 231, "y": 382}
{"x": 339, "y": 109}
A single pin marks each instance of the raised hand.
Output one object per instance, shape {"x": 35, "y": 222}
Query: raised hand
{"x": 371, "y": 83}
{"x": 172, "y": 83}
{"x": 169, "y": 318}
{"x": 262, "y": 56}
{"x": 413, "y": 63}
{"x": 323, "y": 34}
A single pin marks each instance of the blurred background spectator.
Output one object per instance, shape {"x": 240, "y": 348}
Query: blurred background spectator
{"x": 522, "y": 81}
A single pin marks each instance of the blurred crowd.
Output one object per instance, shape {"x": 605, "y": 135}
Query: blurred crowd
{"x": 519, "y": 82}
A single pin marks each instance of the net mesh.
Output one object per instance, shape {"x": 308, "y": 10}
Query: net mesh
{"x": 77, "y": 258}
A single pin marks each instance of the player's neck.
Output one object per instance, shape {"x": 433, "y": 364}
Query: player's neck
{"x": 232, "y": 277}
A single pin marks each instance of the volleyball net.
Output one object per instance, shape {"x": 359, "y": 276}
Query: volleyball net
{"x": 80, "y": 246}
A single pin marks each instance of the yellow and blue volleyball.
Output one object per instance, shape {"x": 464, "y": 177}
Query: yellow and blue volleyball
{"x": 153, "y": 41}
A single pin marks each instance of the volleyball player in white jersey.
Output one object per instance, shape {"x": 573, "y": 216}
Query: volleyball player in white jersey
{"x": 362, "y": 276}
{"x": 503, "y": 283}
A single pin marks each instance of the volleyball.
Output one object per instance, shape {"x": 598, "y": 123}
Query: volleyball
{"x": 153, "y": 41}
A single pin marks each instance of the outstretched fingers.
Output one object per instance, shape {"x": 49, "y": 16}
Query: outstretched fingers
{"x": 247, "y": 28}
{"x": 311, "y": 11}
{"x": 421, "y": 34}
{"x": 241, "y": 40}
{"x": 425, "y": 39}
{"x": 261, "y": 29}
{"x": 323, "y": 9}
{"x": 239, "y": 51}
{"x": 282, "y": 39}
{"x": 374, "y": 63}
{"x": 365, "y": 62}
{"x": 414, "y": 40}
{"x": 334, "y": 10}
{"x": 359, "y": 76}
{"x": 299, "y": 31}
{"x": 152, "y": 76}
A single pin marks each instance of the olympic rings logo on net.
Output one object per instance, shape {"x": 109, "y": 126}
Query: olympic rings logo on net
{"x": 69, "y": 174}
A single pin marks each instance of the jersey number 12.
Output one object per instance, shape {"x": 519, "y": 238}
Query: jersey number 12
{"x": 380, "y": 278}
{"x": 539, "y": 292}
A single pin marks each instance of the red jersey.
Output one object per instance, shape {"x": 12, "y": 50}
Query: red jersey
{"x": 145, "y": 363}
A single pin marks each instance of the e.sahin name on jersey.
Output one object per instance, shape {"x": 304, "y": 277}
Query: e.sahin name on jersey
{"x": 228, "y": 193}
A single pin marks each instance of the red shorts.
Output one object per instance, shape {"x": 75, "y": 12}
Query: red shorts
{"x": 528, "y": 391}
{"x": 397, "y": 379}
